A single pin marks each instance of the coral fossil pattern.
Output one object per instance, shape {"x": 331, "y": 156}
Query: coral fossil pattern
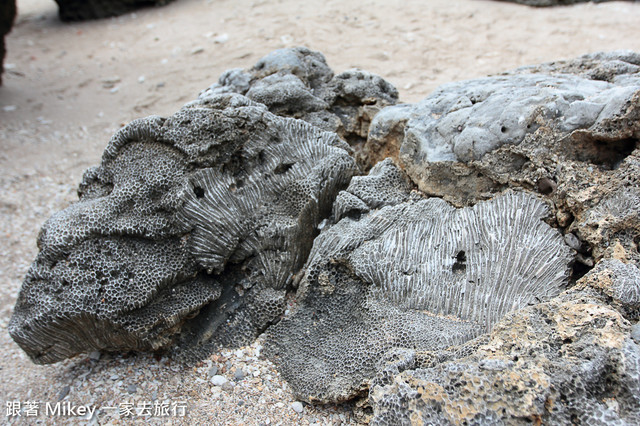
{"x": 218, "y": 201}
{"x": 420, "y": 275}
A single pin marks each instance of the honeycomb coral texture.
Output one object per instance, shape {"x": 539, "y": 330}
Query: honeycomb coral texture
{"x": 177, "y": 202}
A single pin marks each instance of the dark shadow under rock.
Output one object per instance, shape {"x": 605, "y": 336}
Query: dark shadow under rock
{"x": 81, "y": 10}
{"x": 212, "y": 209}
{"x": 414, "y": 274}
{"x": 297, "y": 82}
{"x": 548, "y": 3}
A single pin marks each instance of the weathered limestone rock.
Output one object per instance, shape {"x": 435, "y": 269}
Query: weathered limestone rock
{"x": 401, "y": 272}
{"x": 568, "y": 130}
{"x": 189, "y": 231}
{"x": 514, "y": 298}
{"x": 7, "y": 15}
{"x": 298, "y": 83}
{"x": 80, "y": 10}
{"x": 565, "y": 361}
{"x": 575, "y": 356}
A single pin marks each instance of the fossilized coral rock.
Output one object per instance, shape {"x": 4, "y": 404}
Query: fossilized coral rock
{"x": 80, "y": 10}
{"x": 412, "y": 273}
{"x": 572, "y": 357}
{"x": 297, "y": 82}
{"x": 567, "y": 360}
{"x": 209, "y": 211}
{"x": 568, "y": 130}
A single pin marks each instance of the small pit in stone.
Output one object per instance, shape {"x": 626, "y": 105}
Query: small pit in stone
{"x": 459, "y": 266}
{"x": 604, "y": 153}
{"x": 198, "y": 191}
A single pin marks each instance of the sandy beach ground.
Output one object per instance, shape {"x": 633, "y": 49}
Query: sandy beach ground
{"x": 68, "y": 87}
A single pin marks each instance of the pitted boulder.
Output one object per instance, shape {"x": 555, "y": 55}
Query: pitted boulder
{"x": 190, "y": 225}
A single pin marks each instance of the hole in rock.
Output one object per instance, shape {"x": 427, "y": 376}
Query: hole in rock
{"x": 578, "y": 270}
{"x": 460, "y": 264}
{"x": 198, "y": 191}
{"x": 282, "y": 168}
{"x": 606, "y": 154}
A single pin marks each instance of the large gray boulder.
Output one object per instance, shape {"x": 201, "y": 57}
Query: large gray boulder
{"x": 567, "y": 130}
{"x": 447, "y": 315}
{"x": 187, "y": 233}
{"x": 511, "y": 295}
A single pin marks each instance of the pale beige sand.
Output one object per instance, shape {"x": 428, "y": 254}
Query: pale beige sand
{"x": 69, "y": 86}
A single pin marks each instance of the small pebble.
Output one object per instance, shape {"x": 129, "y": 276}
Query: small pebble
{"x": 572, "y": 241}
{"x": 222, "y": 38}
{"x": 218, "y": 380}
{"x": 297, "y": 406}
{"x": 9, "y": 108}
{"x": 64, "y": 392}
{"x": 238, "y": 375}
{"x": 131, "y": 389}
{"x": 213, "y": 371}
{"x": 95, "y": 355}
{"x": 197, "y": 50}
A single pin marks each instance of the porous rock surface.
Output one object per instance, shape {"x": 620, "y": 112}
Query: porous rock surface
{"x": 188, "y": 232}
{"x": 297, "y": 82}
{"x": 7, "y": 16}
{"x": 568, "y": 130}
{"x": 403, "y": 272}
{"x": 444, "y": 310}
{"x": 80, "y": 10}
{"x": 570, "y": 360}
{"x": 574, "y": 358}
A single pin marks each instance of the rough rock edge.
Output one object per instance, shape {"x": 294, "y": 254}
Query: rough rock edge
{"x": 297, "y": 82}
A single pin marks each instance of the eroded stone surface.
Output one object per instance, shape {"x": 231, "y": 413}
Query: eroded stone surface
{"x": 575, "y": 356}
{"x": 414, "y": 274}
{"x": 206, "y": 212}
{"x": 568, "y": 130}
{"x": 557, "y": 362}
